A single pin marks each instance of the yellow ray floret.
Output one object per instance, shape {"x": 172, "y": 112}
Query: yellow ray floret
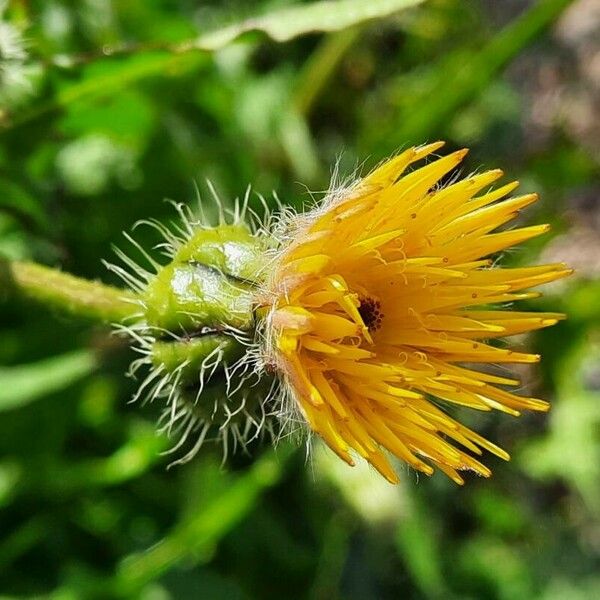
{"x": 381, "y": 304}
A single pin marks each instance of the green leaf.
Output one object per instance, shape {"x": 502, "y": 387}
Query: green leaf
{"x": 141, "y": 451}
{"x": 417, "y": 541}
{"x": 197, "y": 534}
{"x": 24, "y": 384}
{"x": 17, "y": 201}
{"x": 107, "y": 77}
{"x": 570, "y": 450}
{"x": 288, "y": 23}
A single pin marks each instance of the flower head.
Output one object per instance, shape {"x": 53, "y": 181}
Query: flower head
{"x": 385, "y": 303}
{"x": 364, "y": 317}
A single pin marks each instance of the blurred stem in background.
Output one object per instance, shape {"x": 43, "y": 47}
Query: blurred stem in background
{"x": 320, "y": 67}
{"x": 459, "y": 78}
{"x": 196, "y": 535}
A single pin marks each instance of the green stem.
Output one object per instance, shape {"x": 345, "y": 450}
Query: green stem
{"x": 69, "y": 294}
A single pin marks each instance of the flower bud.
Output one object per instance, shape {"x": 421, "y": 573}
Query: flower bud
{"x": 207, "y": 285}
{"x": 197, "y": 329}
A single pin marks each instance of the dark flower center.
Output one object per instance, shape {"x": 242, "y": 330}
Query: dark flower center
{"x": 370, "y": 311}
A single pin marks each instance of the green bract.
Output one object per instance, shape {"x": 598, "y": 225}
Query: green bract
{"x": 198, "y": 319}
{"x": 196, "y": 332}
{"x": 208, "y": 284}
{"x": 187, "y": 355}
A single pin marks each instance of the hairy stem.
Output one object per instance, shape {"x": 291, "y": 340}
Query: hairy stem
{"x": 67, "y": 293}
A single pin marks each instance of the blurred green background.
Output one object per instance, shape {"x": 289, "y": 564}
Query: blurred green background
{"x": 103, "y": 116}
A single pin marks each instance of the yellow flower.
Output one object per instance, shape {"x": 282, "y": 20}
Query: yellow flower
{"x": 383, "y": 302}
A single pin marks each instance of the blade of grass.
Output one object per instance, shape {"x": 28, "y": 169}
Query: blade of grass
{"x": 458, "y": 83}
{"x": 23, "y": 384}
{"x": 136, "y": 456}
{"x": 320, "y": 67}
